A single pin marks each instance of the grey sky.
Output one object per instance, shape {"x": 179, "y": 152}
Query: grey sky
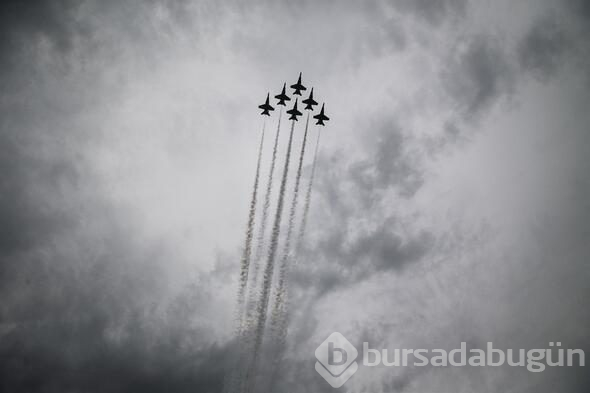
{"x": 450, "y": 202}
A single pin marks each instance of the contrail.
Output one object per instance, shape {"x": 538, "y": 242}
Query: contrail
{"x": 247, "y": 252}
{"x": 279, "y": 321}
{"x": 265, "y": 210}
{"x": 283, "y": 267}
{"x": 308, "y": 194}
{"x": 250, "y": 312}
{"x": 262, "y": 306}
{"x": 233, "y": 374}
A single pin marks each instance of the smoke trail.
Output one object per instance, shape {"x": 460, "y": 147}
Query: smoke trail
{"x": 265, "y": 210}
{"x": 250, "y": 312}
{"x": 245, "y": 261}
{"x": 279, "y": 321}
{"x": 233, "y": 375}
{"x": 262, "y": 306}
{"x": 308, "y": 194}
{"x": 283, "y": 267}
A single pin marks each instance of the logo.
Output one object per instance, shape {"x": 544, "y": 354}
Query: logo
{"x": 336, "y": 360}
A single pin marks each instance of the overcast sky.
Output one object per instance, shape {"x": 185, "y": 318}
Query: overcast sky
{"x": 450, "y": 203}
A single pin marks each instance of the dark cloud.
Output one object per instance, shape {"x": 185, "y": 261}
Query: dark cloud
{"x": 478, "y": 72}
{"x": 62, "y": 356}
{"x": 388, "y": 251}
{"x": 581, "y": 9}
{"x": 79, "y": 308}
{"x": 344, "y": 260}
{"x": 354, "y": 190}
{"x": 392, "y": 164}
{"x": 542, "y": 49}
{"x": 25, "y": 222}
{"x": 33, "y": 175}
{"x": 23, "y": 21}
{"x": 434, "y": 12}
{"x": 88, "y": 316}
{"x": 24, "y": 24}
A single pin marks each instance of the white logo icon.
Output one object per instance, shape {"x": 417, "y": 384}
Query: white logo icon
{"x": 336, "y": 360}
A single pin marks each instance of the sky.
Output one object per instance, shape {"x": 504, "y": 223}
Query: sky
{"x": 450, "y": 201}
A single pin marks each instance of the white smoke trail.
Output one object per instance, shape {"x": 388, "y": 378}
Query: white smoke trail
{"x": 265, "y": 210}
{"x": 284, "y": 264}
{"x": 303, "y": 225}
{"x": 247, "y": 252}
{"x": 233, "y": 374}
{"x": 247, "y": 339}
{"x": 279, "y": 322}
{"x": 262, "y": 306}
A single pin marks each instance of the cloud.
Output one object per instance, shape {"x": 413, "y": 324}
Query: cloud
{"x": 60, "y": 356}
{"x": 433, "y": 12}
{"x": 390, "y": 165}
{"x": 478, "y": 72}
{"x": 85, "y": 303}
{"x": 543, "y": 48}
{"x": 21, "y": 22}
{"x": 361, "y": 234}
{"x": 91, "y": 312}
{"x": 25, "y": 222}
{"x": 581, "y": 9}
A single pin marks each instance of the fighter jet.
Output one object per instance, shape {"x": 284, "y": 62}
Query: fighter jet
{"x": 321, "y": 118}
{"x": 294, "y": 112}
{"x": 283, "y": 97}
{"x": 309, "y": 102}
{"x": 266, "y": 107}
{"x": 298, "y": 86}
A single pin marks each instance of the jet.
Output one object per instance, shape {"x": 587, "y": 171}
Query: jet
{"x": 283, "y": 97}
{"x": 309, "y": 102}
{"x": 266, "y": 107}
{"x": 298, "y": 86}
{"x": 294, "y": 112}
{"x": 321, "y": 117}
